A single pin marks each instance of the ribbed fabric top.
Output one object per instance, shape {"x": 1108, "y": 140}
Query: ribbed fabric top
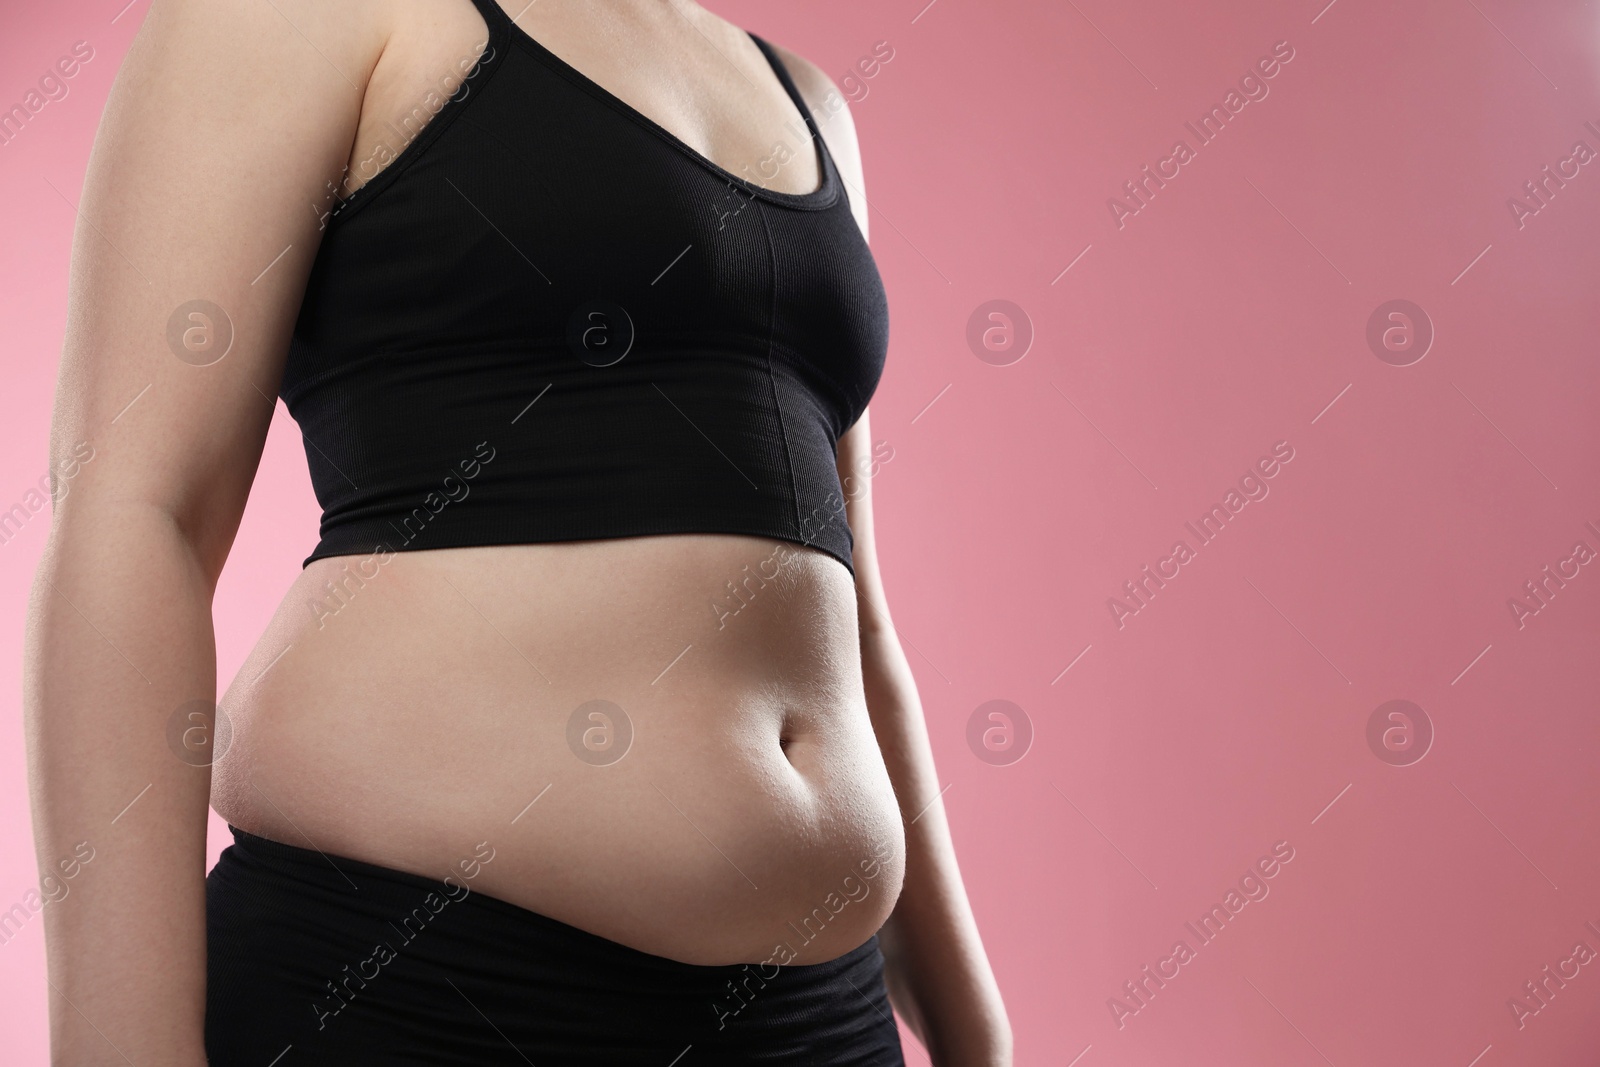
{"x": 549, "y": 319}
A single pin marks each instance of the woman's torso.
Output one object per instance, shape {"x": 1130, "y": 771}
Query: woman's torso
{"x": 405, "y": 707}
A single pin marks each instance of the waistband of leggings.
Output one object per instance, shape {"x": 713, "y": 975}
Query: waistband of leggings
{"x": 316, "y": 865}
{"x": 310, "y": 865}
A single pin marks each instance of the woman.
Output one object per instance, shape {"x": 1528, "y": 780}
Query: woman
{"x": 584, "y": 735}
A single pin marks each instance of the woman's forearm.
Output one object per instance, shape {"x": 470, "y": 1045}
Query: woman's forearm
{"x": 119, "y": 637}
{"x": 938, "y": 976}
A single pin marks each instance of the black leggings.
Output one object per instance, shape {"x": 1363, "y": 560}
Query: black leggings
{"x": 325, "y": 960}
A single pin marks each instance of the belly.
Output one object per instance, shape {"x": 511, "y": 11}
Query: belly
{"x": 661, "y": 740}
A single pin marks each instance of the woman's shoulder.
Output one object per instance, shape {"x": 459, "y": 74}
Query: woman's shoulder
{"x": 831, "y": 111}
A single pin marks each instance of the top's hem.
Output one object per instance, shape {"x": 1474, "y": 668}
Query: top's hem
{"x": 333, "y": 550}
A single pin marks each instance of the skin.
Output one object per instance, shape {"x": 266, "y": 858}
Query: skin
{"x": 420, "y": 715}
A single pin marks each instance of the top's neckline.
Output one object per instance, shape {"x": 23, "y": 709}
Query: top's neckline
{"x": 825, "y": 195}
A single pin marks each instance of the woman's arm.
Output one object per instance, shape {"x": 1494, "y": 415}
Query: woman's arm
{"x": 938, "y": 976}
{"x": 224, "y": 123}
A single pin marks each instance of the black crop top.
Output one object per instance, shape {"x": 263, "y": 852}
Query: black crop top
{"x": 549, "y": 319}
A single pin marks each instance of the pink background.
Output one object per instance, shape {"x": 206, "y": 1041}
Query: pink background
{"x": 1227, "y": 315}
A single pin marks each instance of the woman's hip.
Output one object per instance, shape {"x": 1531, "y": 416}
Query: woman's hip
{"x": 321, "y": 959}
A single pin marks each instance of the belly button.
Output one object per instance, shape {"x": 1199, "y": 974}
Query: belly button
{"x": 788, "y": 731}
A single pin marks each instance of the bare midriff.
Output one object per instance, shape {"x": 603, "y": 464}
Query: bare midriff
{"x": 661, "y": 740}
